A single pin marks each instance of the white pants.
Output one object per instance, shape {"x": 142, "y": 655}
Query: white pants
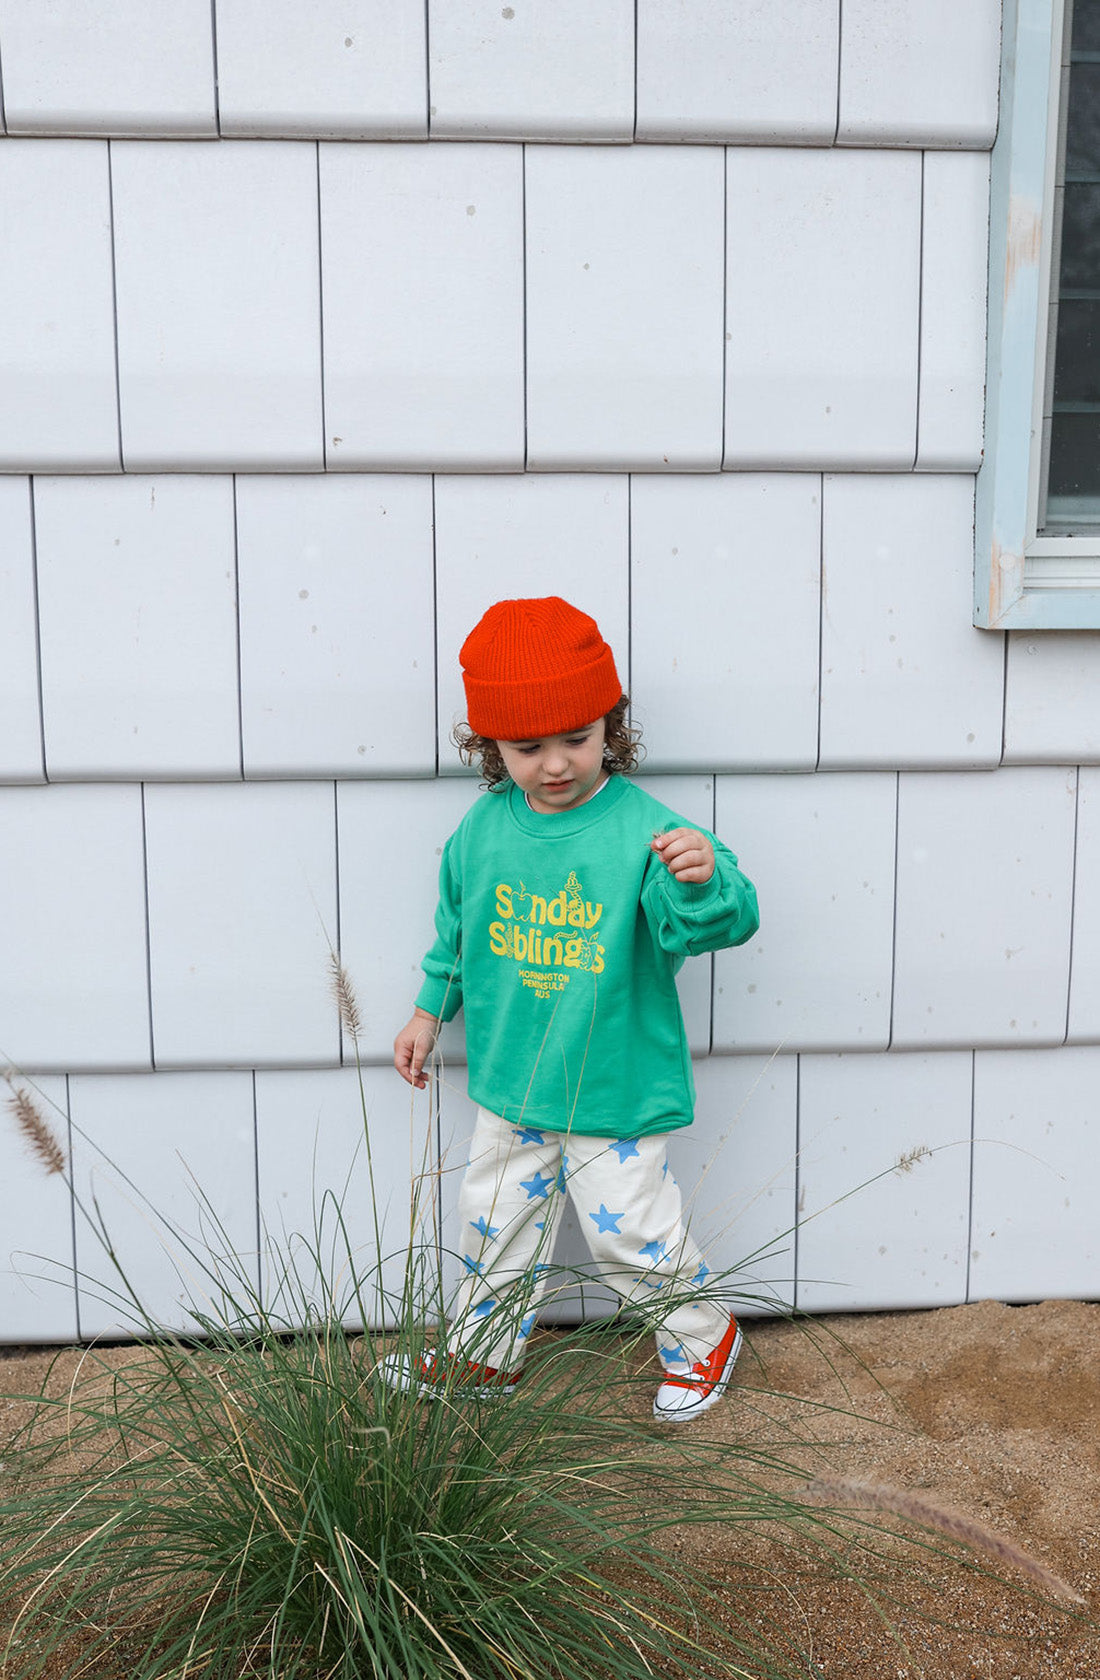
{"x": 629, "y": 1207}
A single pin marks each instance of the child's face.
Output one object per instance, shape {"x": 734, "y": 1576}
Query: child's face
{"x": 557, "y": 772}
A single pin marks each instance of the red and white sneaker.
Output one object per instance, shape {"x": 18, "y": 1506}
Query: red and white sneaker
{"x": 681, "y": 1398}
{"x": 434, "y": 1374}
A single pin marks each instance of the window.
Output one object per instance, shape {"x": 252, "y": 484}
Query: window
{"x": 1038, "y": 522}
{"x": 1070, "y": 479}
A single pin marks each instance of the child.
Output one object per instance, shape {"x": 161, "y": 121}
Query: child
{"x": 568, "y": 900}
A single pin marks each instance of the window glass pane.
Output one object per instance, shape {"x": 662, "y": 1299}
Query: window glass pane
{"x": 1075, "y": 463}
{"x": 1073, "y": 485}
{"x": 1081, "y": 238}
{"x": 1077, "y": 365}
{"x": 1086, "y": 27}
{"x": 1083, "y": 139}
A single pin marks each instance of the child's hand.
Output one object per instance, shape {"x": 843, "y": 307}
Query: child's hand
{"x": 687, "y": 853}
{"x": 413, "y": 1045}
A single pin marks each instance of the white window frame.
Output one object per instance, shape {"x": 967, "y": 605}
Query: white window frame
{"x": 1023, "y": 581}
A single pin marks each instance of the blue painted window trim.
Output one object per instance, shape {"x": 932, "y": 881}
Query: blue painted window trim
{"x": 1019, "y": 264}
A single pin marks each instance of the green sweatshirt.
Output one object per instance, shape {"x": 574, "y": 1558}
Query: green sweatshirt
{"x": 560, "y": 936}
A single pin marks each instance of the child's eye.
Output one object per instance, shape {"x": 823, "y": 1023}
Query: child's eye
{"x": 527, "y": 751}
{"x": 577, "y": 741}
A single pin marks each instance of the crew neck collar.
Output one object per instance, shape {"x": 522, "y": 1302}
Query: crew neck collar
{"x": 595, "y": 794}
{"x": 551, "y": 825}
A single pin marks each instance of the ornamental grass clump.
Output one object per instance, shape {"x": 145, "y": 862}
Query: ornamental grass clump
{"x": 273, "y": 1510}
{"x": 248, "y": 1499}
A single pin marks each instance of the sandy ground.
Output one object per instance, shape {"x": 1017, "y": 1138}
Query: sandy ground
{"x": 988, "y": 1410}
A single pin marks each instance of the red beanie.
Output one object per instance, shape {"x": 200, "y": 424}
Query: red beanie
{"x": 535, "y": 668}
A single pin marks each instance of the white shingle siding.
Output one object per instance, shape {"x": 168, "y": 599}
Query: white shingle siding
{"x": 919, "y": 73}
{"x": 905, "y": 678}
{"x": 37, "y": 1283}
{"x": 763, "y": 72}
{"x": 108, "y": 67}
{"x": 954, "y": 241}
{"x": 335, "y": 580}
{"x": 141, "y": 1149}
{"x": 984, "y": 905}
{"x": 353, "y": 69}
{"x": 822, "y": 372}
{"x": 137, "y": 627}
{"x": 1052, "y": 698}
{"x": 21, "y": 736}
{"x": 423, "y": 306}
{"x": 872, "y": 1231}
{"x": 312, "y": 1177}
{"x": 821, "y": 851}
{"x": 1084, "y": 995}
{"x": 268, "y": 402}
{"x": 73, "y": 988}
{"x": 57, "y": 334}
{"x": 1036, "y": 1167}
{"x": 531, "y": 72}
{"x": 242, "y": 917}
{"x": 624, "y": 308}
{"x": 219, "y": 330}
{"x": 724, "y": 672}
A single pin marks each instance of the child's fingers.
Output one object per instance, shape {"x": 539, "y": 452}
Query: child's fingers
{"x": 408, "y": 1059}
{"x": 686, "y": 853}
{"x": 412, "y": 1073}
{"x": 678, "y": 845}
{"x": 412, "y": 1047}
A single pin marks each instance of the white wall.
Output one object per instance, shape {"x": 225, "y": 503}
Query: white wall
{"x": 301, "y": 370}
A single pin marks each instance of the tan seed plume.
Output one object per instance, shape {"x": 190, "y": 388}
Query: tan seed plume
{"x": 35, "y": 1129}
{"x": 346, "y": 1002}
{"x": 912, "y": 1507}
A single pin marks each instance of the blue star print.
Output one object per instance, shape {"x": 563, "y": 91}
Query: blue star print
{"x": 483, "y": 1229}
{"x": 474, "y": 1267}
{"x": 675, "y": 1352}
{"x": 537, "y": 1186}
{"x": 527, "y": 1325}
{"x": 559, "y": 1182}
{"x": 605, "y": 1221}
{"x": 702, "y": 1274}
{"x": 655, "y": 1251}
{"x": 624, "y": 1149}
{"x": 483, "y": 1309}
{"x": 528, "y": 1134}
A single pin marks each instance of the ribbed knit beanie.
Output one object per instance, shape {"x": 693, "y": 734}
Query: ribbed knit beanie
{"x": 534, "y": 668}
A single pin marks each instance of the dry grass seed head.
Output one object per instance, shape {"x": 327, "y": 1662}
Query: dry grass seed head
{"x": 914, "y": 1508}
{"x": 346, "y": 1001}
{"x": 36, "y": 1129}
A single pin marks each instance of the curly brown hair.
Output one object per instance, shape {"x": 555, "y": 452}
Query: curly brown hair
{"x": 621, "y": 747}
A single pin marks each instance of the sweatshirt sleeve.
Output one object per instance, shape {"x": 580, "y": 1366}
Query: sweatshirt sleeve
{"x": 441, "y": 993}
{"x": 690, "y": 917}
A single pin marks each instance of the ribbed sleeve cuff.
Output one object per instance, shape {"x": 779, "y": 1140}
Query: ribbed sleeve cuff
{"x": 693, "y": 894}
{"x": 441, "y": 998}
